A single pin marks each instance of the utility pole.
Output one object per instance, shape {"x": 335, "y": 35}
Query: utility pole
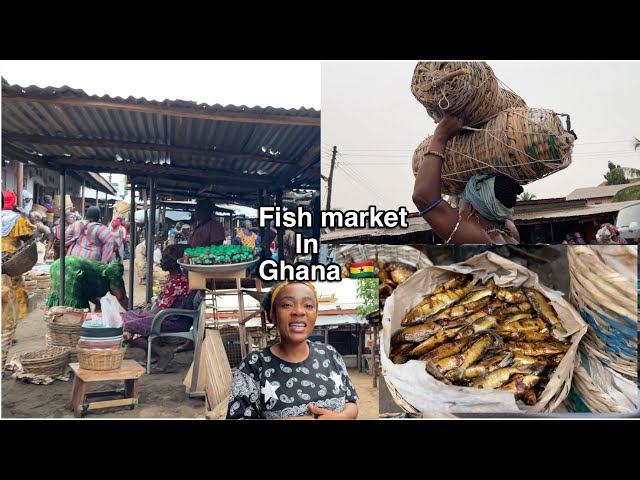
{"x": 330, "y": 180}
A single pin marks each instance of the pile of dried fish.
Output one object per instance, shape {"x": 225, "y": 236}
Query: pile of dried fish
{"x": 392, "y": 274}
{"x": 483, "y": 336}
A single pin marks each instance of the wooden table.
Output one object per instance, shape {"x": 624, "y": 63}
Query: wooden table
{"x": 130, "y": 371}
{"x": 207, "y": 281}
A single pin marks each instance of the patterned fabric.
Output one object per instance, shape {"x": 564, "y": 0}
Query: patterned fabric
{"x": 250, "y": 240}
{"x": 210, "y": 233}
{"x": 84, "y": 280}
{"x": 90, "y": 240}
{"x": 175, "y": 294}
{"x": 266, "y": 386}
{"x": 10, "y": 244}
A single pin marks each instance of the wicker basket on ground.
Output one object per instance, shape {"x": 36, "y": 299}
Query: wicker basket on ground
{"x": 22, "y": 260}
{"x": 607, "y": 301}
{"x": 525, "y": 144}
{"x": 100, "y": 359}
{"x": 50, "y": 362}
{"x": 63, "y": 334}
{"x": 73, "y": 351}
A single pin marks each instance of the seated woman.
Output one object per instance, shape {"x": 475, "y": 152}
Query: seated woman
{"x": 175, "y": 294}
{"x": 87, "y": 281}
{"x": 294, "y": 379}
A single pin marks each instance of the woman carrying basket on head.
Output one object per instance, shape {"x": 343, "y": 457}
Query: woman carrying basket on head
{"x": 15, "y": 230}
{"x": 485, "y": 210}
{"x": 90, "y": 239}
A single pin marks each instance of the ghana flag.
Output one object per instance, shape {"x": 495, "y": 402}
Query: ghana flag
{"x": 361, "y": 270}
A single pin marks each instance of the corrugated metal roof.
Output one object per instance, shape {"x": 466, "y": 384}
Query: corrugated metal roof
{"x": 417, "y": 224}
{"x": 236, "y": 148}
{"x": 596, "y": 192}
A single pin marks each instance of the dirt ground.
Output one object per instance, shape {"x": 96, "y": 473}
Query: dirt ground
{"x": 162, "y": 395}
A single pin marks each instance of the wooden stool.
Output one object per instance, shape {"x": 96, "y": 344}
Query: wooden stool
{"x": 130, "y": 371}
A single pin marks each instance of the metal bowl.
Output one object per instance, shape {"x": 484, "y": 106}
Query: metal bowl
{"x": 227, "y": 267}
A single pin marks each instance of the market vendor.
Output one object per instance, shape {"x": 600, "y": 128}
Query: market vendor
{"x": 485, "y": 210}
{"x": 294, "y": 379}
{"x": 87, "y": 281}
{"x": 175, "y": 294}
{"x": 208, "y": 231}
{"x": 246, "y": 237}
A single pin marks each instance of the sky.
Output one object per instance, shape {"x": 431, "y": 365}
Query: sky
{"x": 370, "y": 114}
{"x": 286, "y": 84}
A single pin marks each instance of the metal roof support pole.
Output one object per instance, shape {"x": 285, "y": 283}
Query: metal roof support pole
{"x": 266, "y": 231}
{"x": 20, "y": 183}
{"x": 551, "y": 226}
{"x": 132, "y": 244}
{"x": 280, "y": 230}
{"x": 316, "y": 227}
{"x": 151, "y": 226}
{"x": 97, "y": 199}
{"x": 61, "y": 228}
{"x": 82, "y": 207}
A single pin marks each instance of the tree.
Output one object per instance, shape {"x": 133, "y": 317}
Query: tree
{"x": 524, "y": 196}
{"x": 367, "y": 290}
{"x": 615, "y": 175}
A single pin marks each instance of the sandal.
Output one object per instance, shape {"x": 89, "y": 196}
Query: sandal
{"x": 144, "y": 362}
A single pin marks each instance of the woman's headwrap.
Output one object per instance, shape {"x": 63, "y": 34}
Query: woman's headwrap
{"x": 480, "y": 193}
{"x": 280, "y": 287}
{"x": 114, "y": 272}
{"x": 9, "y": 200}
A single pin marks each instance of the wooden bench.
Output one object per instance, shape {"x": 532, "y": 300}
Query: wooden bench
{"x": 130, "y": 371}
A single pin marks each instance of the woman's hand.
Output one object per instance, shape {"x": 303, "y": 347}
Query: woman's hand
{"x": 448, "y": 127}
{"x": 325, "y": 414}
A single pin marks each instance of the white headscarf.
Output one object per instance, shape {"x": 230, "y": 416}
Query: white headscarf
{"x": 26, "y": 195}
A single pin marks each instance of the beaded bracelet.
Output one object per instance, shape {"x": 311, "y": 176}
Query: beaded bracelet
{"x": 433, "y": 205}
{"x": 437, "y": 154}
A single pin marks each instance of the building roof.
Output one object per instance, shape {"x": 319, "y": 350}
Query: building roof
{"x": 597, "y": 192}
{"x": 417, "y": 224}
{"x": 237, "y": 150}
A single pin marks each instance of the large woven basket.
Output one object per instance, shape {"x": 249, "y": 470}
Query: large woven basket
{"x": 589, "y": 393}
{"x": 22, "y": 260}
{"x": 73, "y": 351}
{"x": 100, "y": 359}
{"x": 467, "y": 89}
{"x": 399, "y": 399}
{"x": 63, "y": 334}
{"x": 608, "y": 303}
{"x": 7, "y": 341}
{"x": 525, "y": 144}
{"x": 388, "y": 253}
{"x": 50, "y": 362}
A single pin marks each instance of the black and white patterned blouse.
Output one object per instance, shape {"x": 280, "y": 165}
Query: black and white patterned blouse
{"x": 266, "y": 386}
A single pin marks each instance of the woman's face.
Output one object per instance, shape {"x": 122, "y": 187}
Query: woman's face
{"x": 168, "y": 264}
{"x": 296, "y": 310}
{"x": 201, "y": 214}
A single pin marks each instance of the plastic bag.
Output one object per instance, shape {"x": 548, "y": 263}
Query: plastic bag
{"x": 111, "y": 317}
